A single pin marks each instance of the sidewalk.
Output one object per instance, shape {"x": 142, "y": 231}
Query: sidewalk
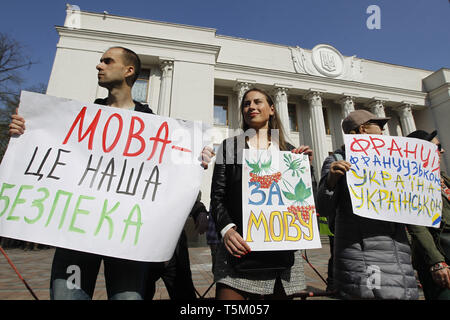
{"x": 35, "y": 267}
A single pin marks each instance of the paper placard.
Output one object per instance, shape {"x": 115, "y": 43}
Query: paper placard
{"x": 99, "y": 179}
{"x": 394, "y": 179}
{"x": 278, "y": 202}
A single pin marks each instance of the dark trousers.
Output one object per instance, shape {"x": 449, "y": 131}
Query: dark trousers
{"x": 330, "y": 280}
{"x": 176, "y": 274}
{"x": 431, "y": 290}
{"x": 74, "y": 275}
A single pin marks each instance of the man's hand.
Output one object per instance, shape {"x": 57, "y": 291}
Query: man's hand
{"x": 337, "y": 171}
{"x": 235, "y": 244}
{"x": 442, "y": 277}
{"x": 17, "y": 125}
{"x": 206, "y": 155}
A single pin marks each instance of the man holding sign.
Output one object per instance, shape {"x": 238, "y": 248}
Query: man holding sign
{"x": 74, "y": 273}
{"x": 372, "y": 258}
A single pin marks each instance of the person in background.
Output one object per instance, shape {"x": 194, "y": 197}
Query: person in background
{"x": 431, "y": 246}
{"x": 176, "y": 273}
{"x": 212, "y": 239}
{"x": 372, "y": 258}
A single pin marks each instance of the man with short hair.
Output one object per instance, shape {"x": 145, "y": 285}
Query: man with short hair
{"x": 118, "y": 69}
{"x": 372, "y": 258}
{"x": 125, "y": 279}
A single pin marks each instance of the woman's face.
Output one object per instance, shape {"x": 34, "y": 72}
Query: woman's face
{"x": 256, "y": 110}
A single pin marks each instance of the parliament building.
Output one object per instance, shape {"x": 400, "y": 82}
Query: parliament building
{"x": 194, "y": 73}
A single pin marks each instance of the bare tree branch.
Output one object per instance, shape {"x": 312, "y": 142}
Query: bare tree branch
{"x": 12, "y": 61}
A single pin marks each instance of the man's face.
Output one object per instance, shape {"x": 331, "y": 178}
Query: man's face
{"x": 111, "y": 70}
{"x": 371, "y": 128}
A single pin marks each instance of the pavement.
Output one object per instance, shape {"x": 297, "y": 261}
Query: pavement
{"x": 35, "y": 267}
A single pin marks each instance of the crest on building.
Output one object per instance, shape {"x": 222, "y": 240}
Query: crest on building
{"x": 328, "y": 61}
{"x": 325, "y": 60}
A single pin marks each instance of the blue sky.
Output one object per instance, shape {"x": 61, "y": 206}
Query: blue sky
{"x": 413, "y": 33}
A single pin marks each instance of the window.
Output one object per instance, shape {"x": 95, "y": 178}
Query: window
{"x": 292, "y": 112}
{"x": 139, "y": 92}
{"x": 325, "y": 119}
{"x": 221, "y": 110}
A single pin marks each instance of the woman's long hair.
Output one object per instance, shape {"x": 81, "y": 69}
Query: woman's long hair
{"x": 274, "y": 120}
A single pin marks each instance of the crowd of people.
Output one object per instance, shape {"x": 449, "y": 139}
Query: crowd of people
{"x": 369, "y": 259}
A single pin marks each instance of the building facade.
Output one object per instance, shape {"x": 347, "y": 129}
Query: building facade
{"x": 193, "y": 73}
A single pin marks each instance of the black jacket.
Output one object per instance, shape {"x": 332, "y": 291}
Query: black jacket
{"x": 137, "y": 105}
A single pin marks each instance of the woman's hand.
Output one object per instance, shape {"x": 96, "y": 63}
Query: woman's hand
{"x": 304, "y": 149}
{"x": 17, "y": 125}
{"x": 235, "y": 244}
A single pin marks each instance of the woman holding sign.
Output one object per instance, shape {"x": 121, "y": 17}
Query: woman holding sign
{"x": 240, "y": 273}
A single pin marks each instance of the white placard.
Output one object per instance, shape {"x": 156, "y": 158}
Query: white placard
{"x": 394, "y": 179}
{"x": 99, "y": 179}
{"x": 277, "y": 201}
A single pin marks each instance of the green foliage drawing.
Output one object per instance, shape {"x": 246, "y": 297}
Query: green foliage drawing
{"x": 259, "y": 166}
{"x": 294, "y": 165}
{"x": 301, "y": 193}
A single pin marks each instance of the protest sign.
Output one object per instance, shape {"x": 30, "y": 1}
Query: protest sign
{"x": 99, "y": 179}
{"x": 394, "y": 179}
{"x": 278, "y": 203}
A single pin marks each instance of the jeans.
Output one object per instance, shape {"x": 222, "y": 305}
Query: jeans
{"x": 74, "y": 275}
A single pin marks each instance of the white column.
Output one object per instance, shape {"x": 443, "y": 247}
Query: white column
{"x": 240, "y": 88}
{"x": 377, "y": 108}
{"x": 281, "y": 104}
{"x": 318, "y": 134}
{"x": 406, "y": 119}
{"x": 347, "y": 105}
{"x": 165, "y": 88}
